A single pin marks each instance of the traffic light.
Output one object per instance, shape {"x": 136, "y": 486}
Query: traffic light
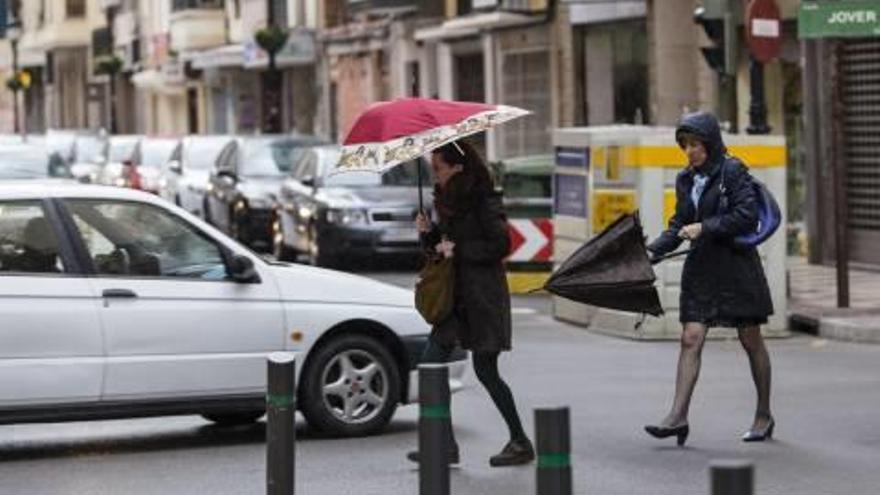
{"x": 720, "y": 23}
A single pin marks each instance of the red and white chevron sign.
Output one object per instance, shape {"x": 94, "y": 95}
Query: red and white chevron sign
{"x": 531, "y": 239}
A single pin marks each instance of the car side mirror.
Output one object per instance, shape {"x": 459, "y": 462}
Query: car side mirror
{"x": 175, "y": 166}
{"x": 241, "y": 269}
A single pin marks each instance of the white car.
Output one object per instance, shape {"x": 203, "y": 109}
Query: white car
{"x": 115, "y": 303}
{"x": 185, "y": 177}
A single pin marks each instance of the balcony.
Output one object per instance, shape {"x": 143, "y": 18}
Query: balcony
{"x": 358, "y": 6}
{"x": 457, "y": 8}
{"x": 197, "y": 24}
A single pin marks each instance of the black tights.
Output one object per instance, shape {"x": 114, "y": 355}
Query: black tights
{"x": 486, "y": 368}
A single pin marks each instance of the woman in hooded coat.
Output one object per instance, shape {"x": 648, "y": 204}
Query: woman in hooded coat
{"x": 472, "y": 230}
{"x": 722, "y": 285}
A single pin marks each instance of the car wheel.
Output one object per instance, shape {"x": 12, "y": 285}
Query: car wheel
{"x": 234, "y": 419}
{"x": 316, "y": 256}
{"x": 280, "y": 250}
{"x": 206, "y": 212}
{"x": 350, "y": 387}
{"x": 238, "y": 225}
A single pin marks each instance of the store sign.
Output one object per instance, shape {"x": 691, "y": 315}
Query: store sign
{"x": 850, "y": 19}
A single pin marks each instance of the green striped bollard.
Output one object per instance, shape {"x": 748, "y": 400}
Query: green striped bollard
{"x": 434, "y": 425}
{"x": 280, "y": 427}
{"x": 553, "y": 440}
{"x": 731, "y": 478}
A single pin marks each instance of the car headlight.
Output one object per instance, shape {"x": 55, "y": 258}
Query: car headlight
{"x": 346, "y": 216}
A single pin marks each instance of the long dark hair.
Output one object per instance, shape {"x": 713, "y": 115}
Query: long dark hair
{"x": 467, "y": 187}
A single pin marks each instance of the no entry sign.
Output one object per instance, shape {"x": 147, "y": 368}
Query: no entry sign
{"x": 763, "y": 30}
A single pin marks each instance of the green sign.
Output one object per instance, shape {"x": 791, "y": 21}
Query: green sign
{"x": 845, "y": 19}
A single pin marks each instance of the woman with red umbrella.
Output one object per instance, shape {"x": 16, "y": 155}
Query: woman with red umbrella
{"x": 472, "y": 230}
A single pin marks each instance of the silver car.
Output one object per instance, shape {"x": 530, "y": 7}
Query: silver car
{"x": 120, "y": 158}
{"x": 184, "y": 179}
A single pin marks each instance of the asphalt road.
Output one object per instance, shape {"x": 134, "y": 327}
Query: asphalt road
{"x": 826, "y": 400}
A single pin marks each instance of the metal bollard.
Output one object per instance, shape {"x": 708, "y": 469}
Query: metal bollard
{"x": 553, "y": 440}
{"x": 280, "y": 427}
{"x": 731, "y": 478}
{"x": 434, "y": 425}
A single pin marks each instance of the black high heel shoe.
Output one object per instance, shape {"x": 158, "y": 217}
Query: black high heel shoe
{"x": 681, "y": 432}
{"x": 756, "y": 435}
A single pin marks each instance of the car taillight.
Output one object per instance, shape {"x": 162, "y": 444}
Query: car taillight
{"x": 134, "y": 176}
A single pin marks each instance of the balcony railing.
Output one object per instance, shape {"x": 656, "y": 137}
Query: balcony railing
{"x": 362, "y": 5}
{"x": 177, "y": 5}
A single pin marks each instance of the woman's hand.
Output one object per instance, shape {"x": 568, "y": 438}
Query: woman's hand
{"x": 422, "y": 223}
{"x": 445, "y": 247}
{"x": 691, "y": 232}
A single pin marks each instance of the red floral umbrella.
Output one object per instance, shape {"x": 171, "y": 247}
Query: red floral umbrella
{"x": 392, "y": 132}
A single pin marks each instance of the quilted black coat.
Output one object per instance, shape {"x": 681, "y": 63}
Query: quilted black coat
{"x": 481, "y": 319}
{"x": 721, "y": 284}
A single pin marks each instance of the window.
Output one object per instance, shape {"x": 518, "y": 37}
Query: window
{"x": 27, "y": 240}
{"x": 76, "y": 8}
{"x": 525, "y": 80}
{"x": 142, "y": 240}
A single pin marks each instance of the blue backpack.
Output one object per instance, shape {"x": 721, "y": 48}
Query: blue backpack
{"x": 769, "y": 215}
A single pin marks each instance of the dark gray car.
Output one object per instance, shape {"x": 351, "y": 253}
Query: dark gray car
{"x": 354, "y": 215}
{"x": 245, "y": 183}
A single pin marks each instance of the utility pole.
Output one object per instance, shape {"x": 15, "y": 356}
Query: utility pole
{"x": 110, "y": 7}
{"x": 271, "y": 39}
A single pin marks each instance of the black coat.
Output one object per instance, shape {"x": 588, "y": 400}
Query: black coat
{"x": 721, "y": 285}
{"x": 481, "y": 318}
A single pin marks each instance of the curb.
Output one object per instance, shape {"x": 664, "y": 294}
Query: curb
{"x": 865, "y": 329}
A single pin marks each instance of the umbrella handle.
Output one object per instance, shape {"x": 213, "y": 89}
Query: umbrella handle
{"x": 419, "y": 172}
{"x": 658, "y": 259}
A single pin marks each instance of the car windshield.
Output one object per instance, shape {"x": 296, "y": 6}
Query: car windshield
{"x": 154, "y": 154}
{"x": 121, "y": 149}
{"x": 88, "y": 149}
{"x": 23, "y": 163}
{"x": 404, "y": 175}
{"x": 202, "y": 152}
{"x": 262, "y": 157}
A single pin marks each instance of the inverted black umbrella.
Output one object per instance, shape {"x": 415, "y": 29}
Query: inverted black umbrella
{"x": 612, "y": 270}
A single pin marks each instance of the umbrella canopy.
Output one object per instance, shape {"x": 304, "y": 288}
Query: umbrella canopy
{"x": 612, "y": 271}
{"x": 392, "y": 132}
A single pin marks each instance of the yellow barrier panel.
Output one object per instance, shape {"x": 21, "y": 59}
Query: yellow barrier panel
{"x": 526, "y": 282}
{"x": 674, "y": 157}
{"x": 609, "y": 205}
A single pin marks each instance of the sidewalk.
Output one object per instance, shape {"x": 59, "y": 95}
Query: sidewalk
{"x": 812, "y": 303}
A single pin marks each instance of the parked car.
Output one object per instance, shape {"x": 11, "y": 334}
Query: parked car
{"x": 117, "y": 303}
{"x": 245, "y": 184}
{"x": 354, "y": 214}
{"x": 89, "y": 155}
{"x": 30, "y": 161}
{"x": 120, "y": 158}
{"x": 150, "y": 154}
{"x": 184, "y": 178}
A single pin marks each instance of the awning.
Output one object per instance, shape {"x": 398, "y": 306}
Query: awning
{"x": 491, "y": 20}
{"x": 224, "y": 56}
{"x": 607, "y": 11}
{"x": 442, "y": 32}
{"x": 154, "y": 80}
{"x": 298, "y": 50}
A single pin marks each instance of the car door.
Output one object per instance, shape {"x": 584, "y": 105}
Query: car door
{"x": 51, "y": 342}
{"x": 176, "y": 325}
{"x": 222, "y": 187}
